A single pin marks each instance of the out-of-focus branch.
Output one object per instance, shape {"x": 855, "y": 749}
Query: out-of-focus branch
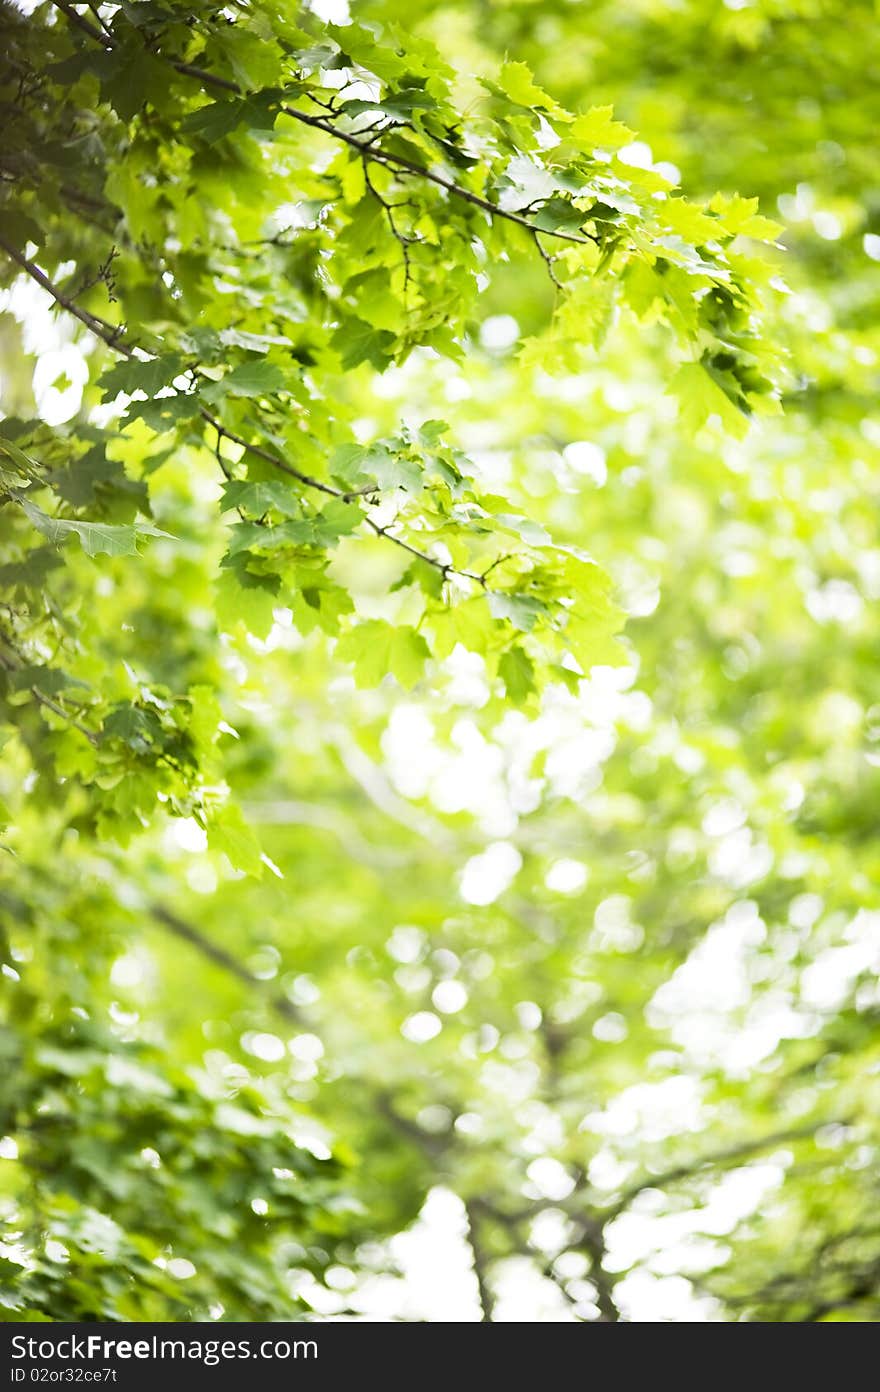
{"x": 480, "y": 1262}
{"x": 718, "y": 1158}
{"x": 188, "y": 933}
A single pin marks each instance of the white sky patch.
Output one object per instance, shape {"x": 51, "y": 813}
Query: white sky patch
{"x": 523, "y": 1296}
{"x": 266, "y": 1047}
{"x": 837, "y": 601}
{"x": 714, "y": 973}
{"x": 637, "y": 155}
{"x": 550, "y": 1230}
{"x": 829, "y": 978}
{"x": 646, "y": 1298}
{"x": 740, "y": 859}
{"x": 529, "y": 1015}
{"x": 828, "y": 225}
{"x": 421, "y": 1027}
{"x": 486, "y": 876}
{"x": 492, "y": 779}
{"x": 707, "y": 1004}
{"x": 647, "y": 1242}
{"x": 305, "y": 1047}
{"x": 499, "y": 332}
{"x": 606, "y": 1171}
{"x": 437, "y": 1281}
{"x": 566, "y": 876}
{"x": 610, "y": 1028}
{"x": 133, "y": 969}
{"x": 186, "y": 834}
{"x": 331, "y": 11}
{"x": 32, "y": 307}
{"x": 587, "y": 459}
{"x": 406, "y": 944}
{"x": 549, "y": 1178}
{"x": 59, "y": 378}
{"x": 650, "y": 1111}
{"x": 449, "y": 997}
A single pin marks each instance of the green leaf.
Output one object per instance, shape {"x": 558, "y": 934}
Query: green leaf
{"x": 517, "y": 83}
{"x": 336, "y": 519}
{"x": 700, "y": 398}
{"x": 357, "y": 342}
{"x": 248, "y": 379}
{"x": 246, "y": 599}
{"x": 49, "y": 680}
{"x": 96, "y": 538}
{"x": 214, "y": 120}
{"x": 518, "y": 674}
{"x": 598, "y": 129}
{"x": 229, "y": 832}
{"x": 522, "y": 611}
{"x": 149, "y": 377}
{"x": 356, "y": 465}
{"x": 558, "y": 215}
{"x": 164, "y": 413}
{"x": 24, "y": 465}
{"x": 261, "y": 497}
{"x": 377, "y": 648}
{"x": 429, "y": 578}
{"x": 254, "y": 536}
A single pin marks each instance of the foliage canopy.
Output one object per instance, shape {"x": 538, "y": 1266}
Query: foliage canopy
{"x": 436, "y": 657}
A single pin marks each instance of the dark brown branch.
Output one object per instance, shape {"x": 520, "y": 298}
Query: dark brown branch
{"x": 548, "y": 262}
{"x": 365, "y": 148}
{"x": 110, "y": 333}
{"x": 82, "y": 23}
{"x": 211, "y": 79}
{"x": 591, "y": 1240}
{"x": 480, "y": 1262}
{"x": 112, "y": 337}
{"x": 400, "y": 164}
{"x": 273, "y": 459}
{"x": 388, "y": 209}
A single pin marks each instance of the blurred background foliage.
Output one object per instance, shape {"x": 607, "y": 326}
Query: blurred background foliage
{"x": 559, "y": 981}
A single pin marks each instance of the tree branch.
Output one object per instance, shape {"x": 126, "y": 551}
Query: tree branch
{"x": 480, "y": 1262}
{"x": 82, "y": 23}
{"x": 367, "y": 150}
{"x": 592, "y": 1241}
{"x": 719, "y": 1157}
{"x": 111, "y": 334}
{"x": 42, "y": 699}
{"x": 188, "y": 933}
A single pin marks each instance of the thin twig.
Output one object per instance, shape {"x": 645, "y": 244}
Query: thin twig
{"x": 397, "y": 163}
{"x": 82, "y": 23}
{"x": 44, "y": 700}
{"x": 548, "y": 261}
{"x": 111, "y": 335}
